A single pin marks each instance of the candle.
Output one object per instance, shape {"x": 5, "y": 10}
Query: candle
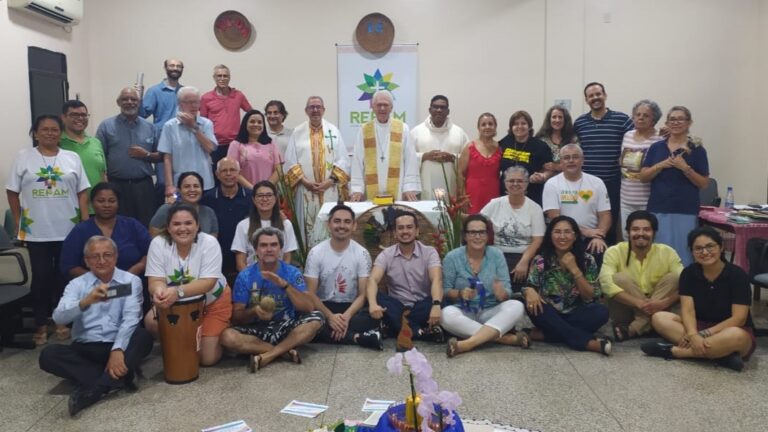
{"x": 410, "y": 410}
{"x": 439, "y": 193}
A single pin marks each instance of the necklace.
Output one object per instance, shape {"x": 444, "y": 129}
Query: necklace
{"x": 48, "y": 173}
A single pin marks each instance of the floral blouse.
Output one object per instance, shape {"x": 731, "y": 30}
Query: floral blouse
{"x": 556, "y": 285}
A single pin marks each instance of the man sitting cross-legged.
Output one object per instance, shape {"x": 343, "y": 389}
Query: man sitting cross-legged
{"x": 336, "y": 274}
{"x": 268, "y": 294}
{"x": 639, "y": 277}
{"x": 107, "y": 344}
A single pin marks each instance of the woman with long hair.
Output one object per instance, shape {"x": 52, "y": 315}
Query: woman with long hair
{"x": 556, "y": 131}
{"x": 264, "y": 212}
{"x": 563, "y": 291}
{"x": 715, "y": 298}
{"x": 258, "y": 156}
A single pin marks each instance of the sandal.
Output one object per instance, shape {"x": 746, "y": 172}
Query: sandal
{"x": 294, "y": 356}
{"x": 452, "y": 347}
{"x": 523, "y": 340}
{"x": 620, "y": 332}
{"x": 40, "y": 337}
{"x": 254, "y": 363}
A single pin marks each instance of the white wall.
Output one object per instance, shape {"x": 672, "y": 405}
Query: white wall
{"x": 486, "y": 55}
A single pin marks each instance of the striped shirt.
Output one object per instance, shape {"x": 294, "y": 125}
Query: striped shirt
{"x": 633, "y": 191}
{"x": 601, "y": 142}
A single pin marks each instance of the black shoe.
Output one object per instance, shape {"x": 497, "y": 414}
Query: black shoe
{"x": 129, "y": 383}
{"x": 731, "y": 361}
{"x": 371, "y": 339}
{"x": 606, "y": 347}
{"x": 434, "y": 334}
{"x": 657, "y": 349}
{"x": 81, "y": 398}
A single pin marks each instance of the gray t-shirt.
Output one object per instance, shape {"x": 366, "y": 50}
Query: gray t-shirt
{"x": 337, "y": 272}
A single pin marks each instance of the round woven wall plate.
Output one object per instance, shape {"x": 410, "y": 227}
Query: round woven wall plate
{"x": 375, "y": 33}
{"x": 232, "y": 29}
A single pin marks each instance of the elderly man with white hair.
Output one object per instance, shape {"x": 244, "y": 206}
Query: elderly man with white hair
{"x": 384, "y": 161}
{"x": 187, "y": 142}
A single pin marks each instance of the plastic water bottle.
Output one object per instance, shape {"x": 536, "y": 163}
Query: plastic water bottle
{"x": 729, "y": 202}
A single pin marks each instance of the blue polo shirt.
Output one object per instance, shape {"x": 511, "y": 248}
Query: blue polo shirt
{"x": 601, "y": 142}
{"x": 229, "y": 212}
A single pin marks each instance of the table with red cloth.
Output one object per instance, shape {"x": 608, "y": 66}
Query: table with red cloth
{"x": 718, "y": 218}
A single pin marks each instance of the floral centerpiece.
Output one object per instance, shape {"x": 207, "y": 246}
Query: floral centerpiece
{"x": 427, "y": 409}
{"x": 451, "y": 208}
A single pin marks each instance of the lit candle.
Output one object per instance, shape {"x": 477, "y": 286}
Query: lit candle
{"x": 439, "y": 193}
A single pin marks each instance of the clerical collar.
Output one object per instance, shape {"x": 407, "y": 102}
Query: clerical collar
{"x": 383, "y": 124}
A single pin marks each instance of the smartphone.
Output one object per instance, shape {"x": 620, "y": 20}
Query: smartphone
{"x": 117, "y": 291}
{"x": 678, "y": 152}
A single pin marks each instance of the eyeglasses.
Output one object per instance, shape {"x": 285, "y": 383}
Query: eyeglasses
{"x": 563, "y": 233}
{"x": 677, "y": 120}
{"x": 476, "y": 233}
{"x": 315, "y": 107}
{"x": 439, "y": 107}
{"x": 515, "y": 181}
{"x": 106, "y": 256}
{"x": 570, "y": 157}
{"x": 264, "y": 195}
{"x": 78, "y": 115}
{"x": 709, "y": 248}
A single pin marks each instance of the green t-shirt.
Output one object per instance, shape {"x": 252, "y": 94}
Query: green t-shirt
{"x": 92, "y": 156}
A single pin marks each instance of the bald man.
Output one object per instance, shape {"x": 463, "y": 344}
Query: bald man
{"x": 129, "y": 147}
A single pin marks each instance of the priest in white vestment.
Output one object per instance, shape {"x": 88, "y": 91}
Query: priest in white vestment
{"x": 317, "y": 165}
{"x": 438, "y": 143}
{"x": 384, "y": 160}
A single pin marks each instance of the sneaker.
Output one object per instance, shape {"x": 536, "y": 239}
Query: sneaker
{"x": 436, "y": 334}
{"x": 81, "y": 398}
{"x": 657, "y": 349}
{"x": 731, "y": 361}
{"x": 371, "y": 339}
{"x": 606, "y": 347}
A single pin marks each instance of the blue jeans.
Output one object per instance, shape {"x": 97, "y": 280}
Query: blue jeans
{"x": 575, "y": 328}
{"x": 417, "y": 319}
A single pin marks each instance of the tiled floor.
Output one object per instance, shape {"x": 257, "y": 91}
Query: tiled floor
{"x": 548, "y": 388}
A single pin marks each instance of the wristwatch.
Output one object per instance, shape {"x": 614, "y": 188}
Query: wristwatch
{"x": 180, "y": 291}
{"x": 437, "y": 302}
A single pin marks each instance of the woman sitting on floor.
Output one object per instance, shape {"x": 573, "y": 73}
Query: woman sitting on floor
{"x": 563, "y": 289}
{"x": 476, "y": 278}
{"x": 715, "y": 297}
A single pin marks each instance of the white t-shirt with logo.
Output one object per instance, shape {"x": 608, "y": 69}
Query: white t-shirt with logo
{"x": 203, "y": 262}
{"x": 581, "y": 199}
{"x": 48, "y": 188}
{"x": 337, "y": 272}
{"x": 514, "y": 229}
{"x": 241, "y": 242}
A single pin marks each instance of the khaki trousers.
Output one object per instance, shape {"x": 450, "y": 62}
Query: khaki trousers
{"x": 638, "y": 321}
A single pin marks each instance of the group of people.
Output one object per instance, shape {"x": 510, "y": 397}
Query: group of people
{"x": 211, "y": 227}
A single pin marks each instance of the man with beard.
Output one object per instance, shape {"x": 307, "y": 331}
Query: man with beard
{"x": 600, "y": 133}
{"x": 639, "y": 277}
{"x": 336, "y": 274}
{"x": 384, "y": 161}
{"x": 438, "y": 143}
{"x": 414, "y": 282}
{"x": 276, "y": 114}
{"x": 129, "y": 146}
{"x": 316, "y": 164}
{"x": 74, "y": 116}
{"x": 271, "y": 311}
{"x": 160, "y": 102}
{"x": 187, "y": 142}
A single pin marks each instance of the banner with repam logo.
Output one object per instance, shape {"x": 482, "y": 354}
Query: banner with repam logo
{"x": 361, "y": 74}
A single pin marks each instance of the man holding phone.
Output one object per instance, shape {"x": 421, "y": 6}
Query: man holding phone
{"x": 104, "y": 306}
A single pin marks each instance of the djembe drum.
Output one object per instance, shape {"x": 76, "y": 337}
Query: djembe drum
{"x": 179, "y": 328}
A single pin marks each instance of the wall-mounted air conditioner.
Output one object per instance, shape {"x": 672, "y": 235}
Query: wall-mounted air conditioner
{"x": 61, "y": 12}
